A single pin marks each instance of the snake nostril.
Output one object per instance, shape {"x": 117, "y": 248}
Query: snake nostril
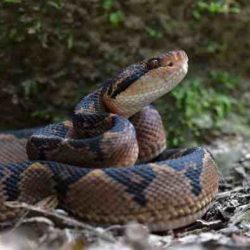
{"x": 170, "y": 64}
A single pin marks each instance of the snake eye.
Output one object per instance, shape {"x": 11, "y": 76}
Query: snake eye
{"x": 153, "y": 63}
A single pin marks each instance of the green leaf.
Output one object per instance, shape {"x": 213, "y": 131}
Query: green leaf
{"x": 57, "y": 4}
{"x": 107, "y": 4}
{"x": 30, "y": 87}
{"x": 154, "y": 33}
{"x": 116, "y": 18}
{"x": 70, "y": 41}
{"x": 12, "y": 1}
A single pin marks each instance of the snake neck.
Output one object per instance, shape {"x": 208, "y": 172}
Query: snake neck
{"x": 130, "y": 91}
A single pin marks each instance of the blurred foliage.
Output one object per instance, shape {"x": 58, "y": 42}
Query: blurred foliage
{"x": 54, "y": 52}
{"x": 199, "y": 106}
{"x": 215, "y": 7}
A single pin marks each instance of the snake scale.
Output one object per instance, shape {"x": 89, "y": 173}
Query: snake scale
{"x": 109, "y": 163}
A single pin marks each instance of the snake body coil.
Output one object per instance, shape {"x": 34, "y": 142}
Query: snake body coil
{"x": 109, "y": 164}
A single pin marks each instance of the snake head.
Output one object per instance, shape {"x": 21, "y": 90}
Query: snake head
{"x": 142, "y": 83}
{"x": 172, "y": 61}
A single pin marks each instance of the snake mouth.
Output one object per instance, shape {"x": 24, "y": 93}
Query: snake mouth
{"x": 185, "y": 67}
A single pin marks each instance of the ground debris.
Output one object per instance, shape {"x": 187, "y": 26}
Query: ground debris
{"x": 225, "y": 226}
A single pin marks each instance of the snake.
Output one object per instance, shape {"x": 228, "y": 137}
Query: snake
{"x": 109, "y": 164}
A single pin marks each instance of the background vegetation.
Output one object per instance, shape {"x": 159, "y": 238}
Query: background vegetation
{"x": 54, "y": 52}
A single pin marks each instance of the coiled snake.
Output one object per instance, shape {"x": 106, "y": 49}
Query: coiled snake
{"x": 108, "y": 164}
